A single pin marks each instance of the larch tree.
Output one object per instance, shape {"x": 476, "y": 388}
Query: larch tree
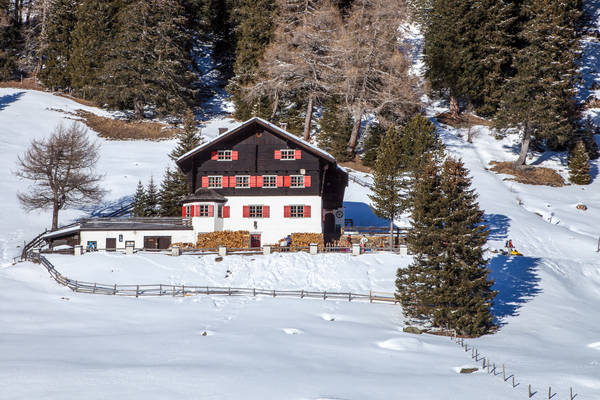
{"x": 152, "y": 199}
{"x": 372, "y": 72}
{"x": 61, "y": 168}
{"x": 388, "y": 181}
{"x": 539, "y": 99}
{"x": 299, "y": 58}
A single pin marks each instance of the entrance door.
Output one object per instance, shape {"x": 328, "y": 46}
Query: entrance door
{"x": 254, "y": 240}
{"x": 157, "y": 242}
{"x": 111, "y": 244}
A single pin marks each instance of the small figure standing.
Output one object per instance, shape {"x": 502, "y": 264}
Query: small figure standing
{"x": 363, "y": 244}
{"x": 288, "y": 241}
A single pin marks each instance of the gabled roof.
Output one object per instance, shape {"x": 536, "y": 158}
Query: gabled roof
{"x": 267, "y": 125}
{"x": 204, "y": 195}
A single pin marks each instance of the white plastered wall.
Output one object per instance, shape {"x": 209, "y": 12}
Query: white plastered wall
{"x": 271, "y": 229}
{"x": 177, "y": 236}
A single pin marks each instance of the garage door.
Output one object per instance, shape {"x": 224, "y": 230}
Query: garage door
{"x": 157, "y": 242}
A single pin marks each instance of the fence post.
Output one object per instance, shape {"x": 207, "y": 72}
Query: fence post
{"x": 254, "y": 292}
{"x": 350, "y": 296}
{"x": 173, "y": 290}
{"x": 160, "y": 289}
{"x": 273, "y": 292}
{"x": 182, "y": 290}
{"x": 229, "y": 291}
{"x": 370, "y": 296}
{"x": 76, "y": 286}
{"x": 115, "y": 290}
{"x": 137, "y": 291}
{"x": 302, "y": 294}
{"x": 94, "y": 290}
{"x": 325, "y": 295}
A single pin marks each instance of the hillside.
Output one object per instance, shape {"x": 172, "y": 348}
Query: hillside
{"x": 74, "y": 343}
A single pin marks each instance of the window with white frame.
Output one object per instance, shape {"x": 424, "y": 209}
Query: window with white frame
{"x": 256, "y": 211}
{"x": 288, "y": 154}
{"x": 215, "y": 182}
{"x": 224, "y": 155}
{"x": 297, "y": 181}
{"x": 269, "y": 181}
{"x": 188, "y": 211}
{"x": 297, "y": 211}
{"x": 202, "y": 210}
{"x": 242, "y": 181}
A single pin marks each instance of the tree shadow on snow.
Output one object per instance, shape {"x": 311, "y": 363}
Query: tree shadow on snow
{"x": 107, "y": 208}
{"x": 362, "y": 215}
{"x": 7, "y": 99}
{"x": 516, "y": 281}
{"x": 498, "y": 225}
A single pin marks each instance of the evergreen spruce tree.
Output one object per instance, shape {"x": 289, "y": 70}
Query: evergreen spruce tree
{"x": 371, "y": 144}
{"x": 388, "y": 181}
{"x": 463, "y": 297}
{"x": 336, "y": 127}
{"x": 149, "y": 64}
{"x": 419, "y": 140}
{"x": 188, "y": 138}
{"x": 173, "y": 188}
{"x": 586, "y": 135}
{"x": 139, "y": 201}
{"x": 55, "y": 46}
{"x": 152, "y": 199}
{"x": 579, "y": 165}
{"x": 539, "y": 99}
{"x": 417, "y": 284}
{"x": 91, "y": 38}
{"x": 254, "y": 30}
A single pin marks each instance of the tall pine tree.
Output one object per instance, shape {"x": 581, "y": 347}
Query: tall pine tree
{"x": 416, "y": 285}
{"x": 463, "y": 298}
{"x": 173, "y": 188}
{"x": 388, "y": 181}
{"x": 336, "y": 126}
{"x": 255, "y": 27}
{"x": 55, "y": 44}
{"x": 152, "y": 199}
{"x": 371, "y": 145}
{"x": 539, "y": 99}
{"x": 139, "y": 201}
{"x": 150, "y": 62}
{"x": 579, "y": 165}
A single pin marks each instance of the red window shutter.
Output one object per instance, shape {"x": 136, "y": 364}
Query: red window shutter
{"x": 232, "y": 181}
{"x": 224, "y": 181}
{"x": 252, "y": 181}
{"x": 211, "y": 211}
{"x": 246, "y": 212}
{"x": 306, "y": 211}
{"x": 287, "y": 211}
{"x": 214, "y": 155}
{"x": 234, "y": 155}
{"x": 183, "y": 212}
{"x": 278, "y": 154}
{"x": 287, "y": 181}
{"x": 297, "y": 154}
{"x": 280, "y": 181}
{"x": 307, "y": 181}
{"x": 259, "y": 181}
{"x": 225, "y": 211}
{"x": 266, "y": 211}
{"x": 197, "y": 211}
{"x": 205, "y": 181}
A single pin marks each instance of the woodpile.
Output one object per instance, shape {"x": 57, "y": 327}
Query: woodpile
{"x": 229, "y": 239}
{"x": 305, "y": 239}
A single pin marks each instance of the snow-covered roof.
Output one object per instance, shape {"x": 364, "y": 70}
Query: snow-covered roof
{"x": 266, "y": 124}
{"x": 63, "y": 231}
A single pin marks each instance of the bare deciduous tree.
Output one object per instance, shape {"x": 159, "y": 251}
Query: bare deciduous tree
{"x": 373, "y": 73}
{"x": 299, "y": 58}
{"x": 61, "y": 168}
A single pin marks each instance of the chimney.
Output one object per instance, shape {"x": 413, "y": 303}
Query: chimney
{"x": 222, "y": 131}
{"x": 284, "y": 126}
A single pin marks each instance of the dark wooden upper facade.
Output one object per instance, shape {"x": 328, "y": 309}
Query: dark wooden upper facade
{"x": 259, "y": 149}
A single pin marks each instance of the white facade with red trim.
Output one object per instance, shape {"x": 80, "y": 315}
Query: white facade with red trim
{"x": 271, "y": 216}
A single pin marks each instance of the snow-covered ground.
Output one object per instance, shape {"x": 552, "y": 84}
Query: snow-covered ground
{"x": 57, "y": 344}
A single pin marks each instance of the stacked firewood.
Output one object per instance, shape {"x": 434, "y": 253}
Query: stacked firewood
{"x": 305, "y": 239}
{"x": 229, "y": 239}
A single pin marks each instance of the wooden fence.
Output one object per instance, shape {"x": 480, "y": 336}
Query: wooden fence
{"x": 191, "y": 290}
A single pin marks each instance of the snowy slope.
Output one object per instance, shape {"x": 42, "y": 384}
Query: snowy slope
{"x": 25, "y": 115}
